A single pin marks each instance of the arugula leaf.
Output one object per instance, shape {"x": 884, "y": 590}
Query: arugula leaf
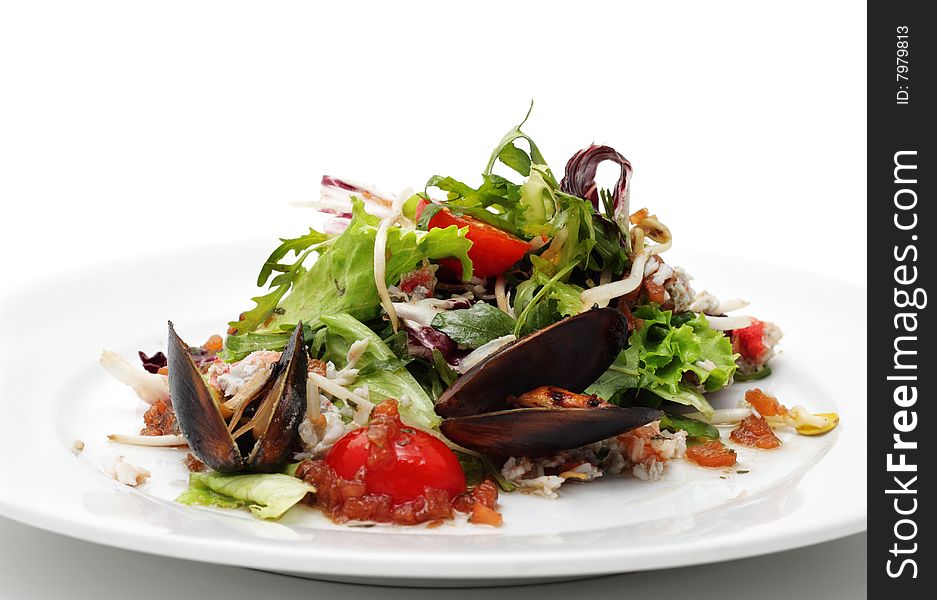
{"x": 376, "y": 369}
{"x": 479, "y": 467}
{"x": 295, "y": 245}
{"x": 515, "y": 158}
{"x": 341, "y": 280}
{"x": 540, "y": 288}
{"x": 536, "y": 157}
{"x": 473, "y": 467}
{"x": 428, "y": 378}
{"x": 443, "y": 369}
{"x": 475, "y": 326}
{"x": 426, "y": 216}
{"x": 265, "y": 306}
{"x": 692, "y": 427}
{"x": 499, "y": 477}
{"x": 494, "y": 202}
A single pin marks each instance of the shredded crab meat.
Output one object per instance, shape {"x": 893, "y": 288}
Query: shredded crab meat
{"x": 643, "y": 452}
{"x": 336, "y": 390}
{"x": 124, "y": 472}
{"x": 318, "y": 434}
{"x": 528, "y": 475}
{"x": 149, "y": 387}
{"x": 648, "y": 449}
{"x": 422, "y": 312}
{"x": 679, "y": 290}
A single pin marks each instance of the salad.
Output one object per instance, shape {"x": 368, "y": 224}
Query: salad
{"x": 416, "y": 355}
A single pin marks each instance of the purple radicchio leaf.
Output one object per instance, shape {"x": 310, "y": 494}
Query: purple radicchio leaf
{"x": 335, "y": 207}
{"x": 579, "y": 178}
{"x": 421, "y": 341}
{"x": 153, "y": 363}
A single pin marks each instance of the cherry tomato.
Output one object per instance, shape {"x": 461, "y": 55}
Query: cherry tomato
{"x": 493, "y": 251}
{"x": 397, "y": 460}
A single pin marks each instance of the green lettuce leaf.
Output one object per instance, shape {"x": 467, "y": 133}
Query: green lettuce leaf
{"x": 475, "y": 326}
{"x": 390, "y": 382}
{"x": 267, "y": 495}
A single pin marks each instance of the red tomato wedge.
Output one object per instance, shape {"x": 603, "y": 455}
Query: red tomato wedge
{"x": 493, "y": 251}
{"x": 396, "y": 460}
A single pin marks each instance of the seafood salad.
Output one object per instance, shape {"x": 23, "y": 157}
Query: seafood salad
{"x": 416, "y": 355}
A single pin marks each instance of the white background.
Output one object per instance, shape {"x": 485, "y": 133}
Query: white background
{"x": 129, "y": 128}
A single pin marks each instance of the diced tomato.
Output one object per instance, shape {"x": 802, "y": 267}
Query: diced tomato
{"x": 711, "y": 454}
{"x": 767, "y": 406}
{"x": 655, "y": 291}
{"x": 493, "y": 251}
{"x": 749, "y": 342}
{"x": 214, "y": 344}
{"x": 397, "y": 461}
{"x": 421, "y": 277}
{"x": 755, "y": 432}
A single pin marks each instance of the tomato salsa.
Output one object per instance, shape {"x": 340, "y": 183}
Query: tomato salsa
{"x": 390, "y": 473}
{"x": 711, "y": 454}
{"x": 756, "y": 433}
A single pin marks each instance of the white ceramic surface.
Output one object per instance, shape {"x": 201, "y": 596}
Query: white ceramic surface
{"x": 810, "y": 490}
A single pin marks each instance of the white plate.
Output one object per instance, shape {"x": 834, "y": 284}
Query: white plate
{"x": 809, "y": 490}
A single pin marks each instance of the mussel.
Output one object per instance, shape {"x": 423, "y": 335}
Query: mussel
{"x": 570, "y": 355}
{"x": 262, "y": 442}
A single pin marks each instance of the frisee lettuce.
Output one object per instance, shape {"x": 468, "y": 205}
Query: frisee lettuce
{"x": 661, "y": 352}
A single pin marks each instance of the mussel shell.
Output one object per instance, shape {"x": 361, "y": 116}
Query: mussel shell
{"x": 543, "y": 431}
{"x": 204, "y": 427}
{"x": 197, "y": 413}
{"x": 276, "y": 446}
{"x": 570, "y": 354}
